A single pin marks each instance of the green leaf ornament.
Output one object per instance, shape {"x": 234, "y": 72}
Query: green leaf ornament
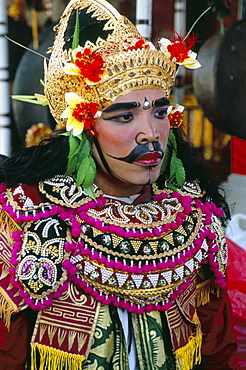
{"x": 176, "y": 168}
{"x": 80, "y": 161}
{"x": 82, "y": 170}
{"x": 75, "y": 42}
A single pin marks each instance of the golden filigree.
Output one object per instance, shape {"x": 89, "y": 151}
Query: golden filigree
{"x": 126, "y": 69}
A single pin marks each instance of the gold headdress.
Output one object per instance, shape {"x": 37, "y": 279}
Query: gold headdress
{"x": 129, "y": 61}
{"x": 97, "y": 56}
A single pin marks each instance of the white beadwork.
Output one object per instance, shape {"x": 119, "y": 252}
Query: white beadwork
{"x": 137, "y": 280}
{"x": 51, "y": 222}
{"x": 106, "y": 274}
{"x": 89, "y": 268}
{"x": 180, "y": 271}
{"x": 198, "y": 255}
{"x": 168, "y": 276}
{"x": 154, "y": 278}
{"x": 205, "y": 245}
{"x": 121, "y": 278}
{"x": 190, "y": 264}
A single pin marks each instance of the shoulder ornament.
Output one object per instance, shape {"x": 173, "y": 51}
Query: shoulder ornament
{"x": 137, "y": 257}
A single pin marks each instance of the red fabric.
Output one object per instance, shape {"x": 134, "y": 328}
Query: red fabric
{"x": 237, "y": 292}
{"x": 238, "y": 156}
{"x": 219, "y": 345}
{"x": 32, "y": 192}
{"x": 14, "y": 344}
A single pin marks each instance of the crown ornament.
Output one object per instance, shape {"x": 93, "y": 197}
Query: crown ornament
{"x": 130, "y": 61}
{"x": 98, "y": 55}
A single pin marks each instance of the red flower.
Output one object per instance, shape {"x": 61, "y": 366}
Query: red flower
{"x": 180, "y": 49}
{"x": 88, "y": 64}
{"x": 175, "y": 115}
{"x": 85, "y": 113}
{"x": 175, "y": 119}
{"x": 80, "y": 115}
{"x": 136, "y": 44}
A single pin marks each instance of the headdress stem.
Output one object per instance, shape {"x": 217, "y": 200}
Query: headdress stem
{"x": 200, "y": 16}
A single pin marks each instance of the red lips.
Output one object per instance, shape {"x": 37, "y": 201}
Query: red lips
{"x": 149, "y": 159}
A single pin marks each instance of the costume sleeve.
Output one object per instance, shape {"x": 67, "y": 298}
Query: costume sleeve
{"x": 13, "y": 325}
{"x": 14, "y": 343}
{"x": 219, "y": 345}
{"x": 213, "y": 305}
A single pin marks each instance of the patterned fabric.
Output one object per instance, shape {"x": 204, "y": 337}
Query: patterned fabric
{"x": 60, "y": 250}
{"x": 109, "y": 350}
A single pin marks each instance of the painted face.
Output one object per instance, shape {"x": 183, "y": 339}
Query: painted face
{"x": 131, "y": 140}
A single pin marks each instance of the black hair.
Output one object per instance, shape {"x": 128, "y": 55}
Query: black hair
{"x": 33, "y": 164}
{"x": 49, "y": 158}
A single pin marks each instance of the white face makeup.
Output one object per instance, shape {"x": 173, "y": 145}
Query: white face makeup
{"x": 131, "y": 139}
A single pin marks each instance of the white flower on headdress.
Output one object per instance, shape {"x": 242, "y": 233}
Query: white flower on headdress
{"x": 151, "y": 45}
{"x": 175, "y": 108}
{"x": 163, "y": 44}
{"x": 80, "y": 115}
{"x": 179, "y": 51}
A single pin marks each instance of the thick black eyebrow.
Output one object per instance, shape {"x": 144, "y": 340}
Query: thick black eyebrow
{"x": 121, "y": 106}
{"x": 160, "y": 102}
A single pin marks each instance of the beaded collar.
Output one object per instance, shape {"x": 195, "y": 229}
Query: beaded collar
{"x": 137, "y": 257}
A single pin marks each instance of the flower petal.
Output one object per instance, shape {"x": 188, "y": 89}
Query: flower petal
{"x": 191, "y": 63}
{"x": 192, "y": 54}
{"x": 71, "y": 122}
{"x": 180, "y": 108}
{"x": 163, "y": 44}
{"x": 72, "y": 99}
{"x": 67, "y": 113}
{"x": 89, "y": 82}
{"x": 78, "y": 128}
{"x": 76, "y": 51}
{"x": 151, "y": 45}
{"x": 71, "y": 69}
{"x": 175, "y": 108}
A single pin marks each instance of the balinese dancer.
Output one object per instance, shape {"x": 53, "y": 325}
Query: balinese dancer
{"x": 112, "y": 250}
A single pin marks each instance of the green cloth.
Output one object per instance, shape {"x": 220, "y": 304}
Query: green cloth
{"x": 109, "y": 350}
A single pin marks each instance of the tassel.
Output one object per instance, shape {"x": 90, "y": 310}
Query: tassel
{"x": 7, "y": 308}
{"x": 7, "y": 224}
{"x": 204, "y": 290}
{"x": 190, "y": 354}
{"x": 52, "y": 358}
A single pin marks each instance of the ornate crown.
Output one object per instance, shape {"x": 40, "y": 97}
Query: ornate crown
{"x": 97, "y": 56}
{"x": 129, "y": 61}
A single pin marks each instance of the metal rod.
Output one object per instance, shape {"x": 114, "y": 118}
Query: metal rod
{"x": 5, "y": 130}
{"x": 144, "y": 18}
{"x": 180, "y": 27}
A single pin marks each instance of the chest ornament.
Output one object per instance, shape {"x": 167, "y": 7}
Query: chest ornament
{"x": 137, "y": 257}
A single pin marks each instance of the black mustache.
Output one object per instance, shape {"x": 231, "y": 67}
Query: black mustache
{"x": 139, "y": 151}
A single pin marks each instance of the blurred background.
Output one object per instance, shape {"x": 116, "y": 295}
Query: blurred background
{"x": 215, "y": 112}
{"x": 214, "y": 96}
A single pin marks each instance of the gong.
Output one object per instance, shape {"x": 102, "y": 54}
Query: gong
{"x": 27, "y": 82}
{"x": 220, "y": 84}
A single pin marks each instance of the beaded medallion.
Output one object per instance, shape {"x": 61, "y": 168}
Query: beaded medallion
{"x": 136, "y": 257}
